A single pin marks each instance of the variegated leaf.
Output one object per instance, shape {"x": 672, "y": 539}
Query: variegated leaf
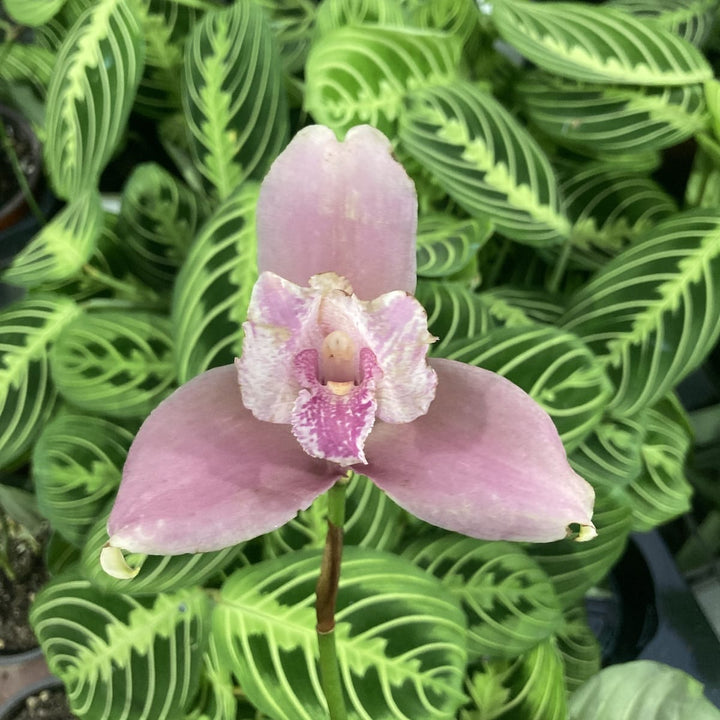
{"x": 485, "y": 160}
{"x": 91, "y": 92}
{"x": 446, "y": 245}
{"x": 598, "y": 44}
{"x": 32, "y": 12}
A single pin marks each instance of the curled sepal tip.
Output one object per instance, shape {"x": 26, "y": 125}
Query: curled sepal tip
{"x": 113, "y": 563}
{"x": 586, "y": 532}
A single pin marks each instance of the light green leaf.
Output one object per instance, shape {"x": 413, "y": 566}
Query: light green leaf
{"x": 530, "y": 687}
{"x": 575, "y": 567}
{"x": 32, "y": 12}
{"x": 554, "y": 367}
{"x": 292, "y": 23}
{"x": 446, "y": 245}
{"x": 607, "y": 119}
{"x": 214, "y": 285}
{"x": 119, "y": 657}
{"x": 112, "y": 362}
{"x": 76, "y": 464}
{"x": 91, "y": 92}
{"x": 233, "y": 97}
{"x": 537, "y": 306}
{"x": 580, "y": 649}
{"x": 27, "y": 63}
{"x": 485, "y": 160}
{"x": 157, "y": 573}
{"x": 691, "y": 20}
{"x": 400, "y": 638}
{"x": 159, "y": 218}
{"x": 641, "y": 689}
{"x": 652, "y": 312}
{"x": 372, "y": 520}
{"x": 62, "y": 247}
{"x": 27, "y": 393}
{"x": 510, "y": 602}
{"x": 598, "y": 44}
{"x": 361, "y": 74}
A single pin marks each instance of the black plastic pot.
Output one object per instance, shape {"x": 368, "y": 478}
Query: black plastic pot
{"x": 10, "y": 708}
{"x": 650, "y": 613}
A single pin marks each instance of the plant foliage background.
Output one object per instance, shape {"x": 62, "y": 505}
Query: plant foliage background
{"x": 559, "y": 245}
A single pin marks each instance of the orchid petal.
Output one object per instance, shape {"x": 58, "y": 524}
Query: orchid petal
{"x": 204, "y": 474}
{"x": 348, "y": 207}
{"x": 485, "y": 461}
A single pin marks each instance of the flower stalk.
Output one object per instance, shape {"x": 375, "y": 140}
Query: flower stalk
{"x": 326, "y": 596}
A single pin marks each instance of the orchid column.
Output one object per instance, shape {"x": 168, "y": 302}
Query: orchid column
{"x": 334, "y": 378}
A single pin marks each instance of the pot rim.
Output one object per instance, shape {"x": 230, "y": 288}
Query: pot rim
{"x": 14, "y": 703}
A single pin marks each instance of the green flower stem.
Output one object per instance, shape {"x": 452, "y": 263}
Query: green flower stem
{"x": 326, "y": 595}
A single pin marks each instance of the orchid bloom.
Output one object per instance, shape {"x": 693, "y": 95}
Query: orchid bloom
{"x": 335, "y": 376}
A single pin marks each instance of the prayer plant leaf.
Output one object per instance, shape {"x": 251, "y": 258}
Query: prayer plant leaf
{"x": 372, "y": 520}
{"x": 692, "y": 20}
{"x": 400, "y": 638}
{"x": 661, "y": 491}
{"x": 114, "y": 362}
{"x": 598, "y": 44}
{"x": 213, "y": 287}
{"x": 156, "y": 573}
{"x": 611, "y": 119}
{"x": 292, "y": 23}
{"x": 159, "y": 217}
{"x": 508, "y": 599}
{"x": 608, "y": 210}
{"x": 457, "y": 313}
{"x": 92, "y": 89}
{"x": 76, "y": 464}
{"x": 233, "y": 97}
{"x": 27, "y": 63}
{"x": 575, "y": 567}
{"x": 485, "y": 160}
{"x": 537, "y": 306}
{"x": 60, "y": 248}
{"x": 32, "y": 12}
{"x": 120, "y": 657}
{"x": 27, "y": 394}
{"x": 333, "y": 14}
{"x": 553, "y": 366}
{"x": 446, "y": 245}
{"x": 580, "y": 649}
{"x": 652, "y": 312}
{"x": 641, "y": 689}
{"x": 529, "y": 687}
{"x": 361, "y": 74}
{"x": 165, "y": 27}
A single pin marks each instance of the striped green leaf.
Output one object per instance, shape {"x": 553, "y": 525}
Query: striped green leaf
{"x": 456, "y": 313}
{"x": 508, "y": 599}
{"x": 580, "y": 649}
{"x": 446, "y": 245}
{"x": 598, "y": 44}
{"x": 652, "y": 312}
{"x": 333, "y": 14}
{"x": 214, "y": 285}
{"x": 62, "y": 247}
{"x": 610, "y": 119}
{"x": 233, "y": 97}
{"x": 661, "y": 491}
{"x": 554, "y": 367}
{"x": 113, "y": 362}
{"x": 692, "y": 20}
{"x": 372, "y": 520}
{"x": 400, "y": 638}
{"x": 76, "y": 464}
{"x": 458, "y": 17}
{"x": 157, "y": 573}
{"x": 27, "y": 63}
{"x": 119, "y": 657}
{"x": 165, "y": 27}
{"x": 529, "y": 687}
{"x": 361, "y": 74}
{"x": 32, "y": 12}
{"x": 575, "y": 567}
{"x": 292, "y": 23}
{"x": 159, "y": 218}
{"x": 608, "y": 210}
{"x": 27, "y": 394}
{"x": 485, "y": 160}
{"x": 536, "y": 305}
{"x": 91, "y": 92}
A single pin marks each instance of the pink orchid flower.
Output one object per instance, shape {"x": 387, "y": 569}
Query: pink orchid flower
{"x": 334, "y": 376}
